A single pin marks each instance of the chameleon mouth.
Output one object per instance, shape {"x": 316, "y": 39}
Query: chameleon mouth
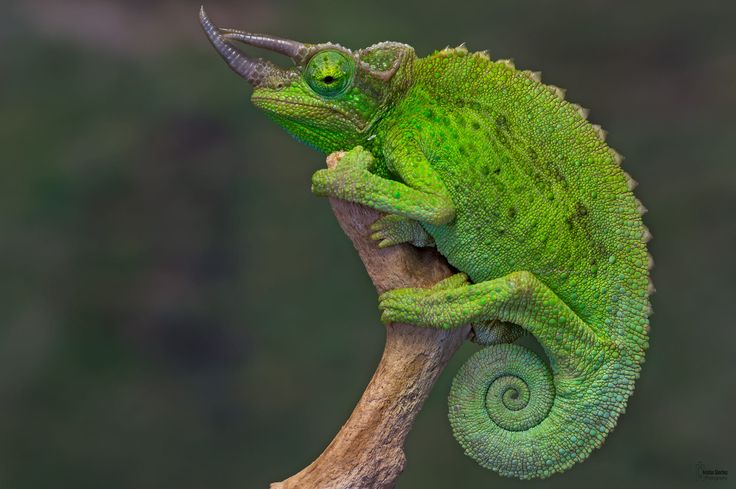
{"x": 267, "y": 104}
{"x": 256, "y": 71}
{"x": 262, "y": 102}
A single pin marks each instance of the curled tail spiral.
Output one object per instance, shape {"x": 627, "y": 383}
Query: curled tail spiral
{"x": 511, "y": 415}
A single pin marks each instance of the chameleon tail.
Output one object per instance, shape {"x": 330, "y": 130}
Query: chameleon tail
{"x": 511, "y": 415}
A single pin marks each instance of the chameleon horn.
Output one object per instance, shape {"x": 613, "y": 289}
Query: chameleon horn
{"x": 253, "y": 70}
{"x": 293, "y": 49}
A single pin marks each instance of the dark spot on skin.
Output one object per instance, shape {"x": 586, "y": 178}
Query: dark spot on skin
{"x": 556, "y": 173}
{"x": 463, "y": 151}
{"x": 497, "y": 171}
{"x": 593, "y": 267}
{"x": 532, "y": 153}
{"x": 602, "y": 248}
{"x": 498, "y": 185}
{"x": 475, "y": 125}
{"x": 581, "y": 210}
{"x": 501, "y": 231}
{"x": 485, "y": 171}
{"x": 570, "y": 221}
{"x": 512, "y": 212}
{"x": 429, "y": 113}
{"x": 501, "y": 121}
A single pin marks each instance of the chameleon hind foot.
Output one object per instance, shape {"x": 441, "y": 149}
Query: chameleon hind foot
{"x": 392, "y": 229}
{"x": 519, "y": 298}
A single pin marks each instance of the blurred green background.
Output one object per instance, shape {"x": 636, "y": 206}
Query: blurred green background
{"x": 178, "y": 311}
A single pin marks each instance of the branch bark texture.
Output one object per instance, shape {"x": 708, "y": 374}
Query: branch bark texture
{"x": 368, "y": 451}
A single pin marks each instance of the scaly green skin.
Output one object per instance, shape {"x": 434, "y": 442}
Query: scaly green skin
{"x": 521, "y": 194}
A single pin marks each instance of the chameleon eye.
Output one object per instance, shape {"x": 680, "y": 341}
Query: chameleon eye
{"x": 329, "y": 73}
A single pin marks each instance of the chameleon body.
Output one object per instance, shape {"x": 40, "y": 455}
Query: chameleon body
{"x": 523, "y": 197}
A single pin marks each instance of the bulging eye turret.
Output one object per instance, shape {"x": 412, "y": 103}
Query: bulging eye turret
{"x": 330, "y": 72}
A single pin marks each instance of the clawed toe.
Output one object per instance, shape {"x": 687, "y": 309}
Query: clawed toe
{"x": 402, "y": 305}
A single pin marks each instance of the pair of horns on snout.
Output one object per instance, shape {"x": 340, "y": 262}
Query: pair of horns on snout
{"x": 249, "y": 68}
{"x": 255, "y": 70}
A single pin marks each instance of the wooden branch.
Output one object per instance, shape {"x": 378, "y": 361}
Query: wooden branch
{"x": 368, "y": 450}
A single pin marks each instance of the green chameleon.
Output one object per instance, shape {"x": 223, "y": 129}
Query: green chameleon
{"x": 523, "y": 197}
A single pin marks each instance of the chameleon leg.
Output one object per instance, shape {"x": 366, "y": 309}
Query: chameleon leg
{"x": 351, "y": 180}
{"x": 486, "y": 332}
{"x": 518, "y": 298}
{"x": 510, "y": 411}
{"x": 392, "y": 229}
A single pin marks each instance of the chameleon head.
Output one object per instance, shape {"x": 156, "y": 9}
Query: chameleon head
{"x": 332, "y": 96}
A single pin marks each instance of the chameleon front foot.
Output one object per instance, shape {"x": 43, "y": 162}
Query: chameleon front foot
{"x": 392, "y": 230}
{"x": 351, "y": 179}
{"x": 337, "y": 182}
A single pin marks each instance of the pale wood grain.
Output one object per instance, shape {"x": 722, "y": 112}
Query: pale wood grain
{"x": 368, "y": 451}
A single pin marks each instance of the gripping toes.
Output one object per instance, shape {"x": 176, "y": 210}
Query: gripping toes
{"x": 350, "y": 168}
{"x": 402, "y": 305}
{"x": 422, "y": 307}
{"x": 392, "y": 230}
